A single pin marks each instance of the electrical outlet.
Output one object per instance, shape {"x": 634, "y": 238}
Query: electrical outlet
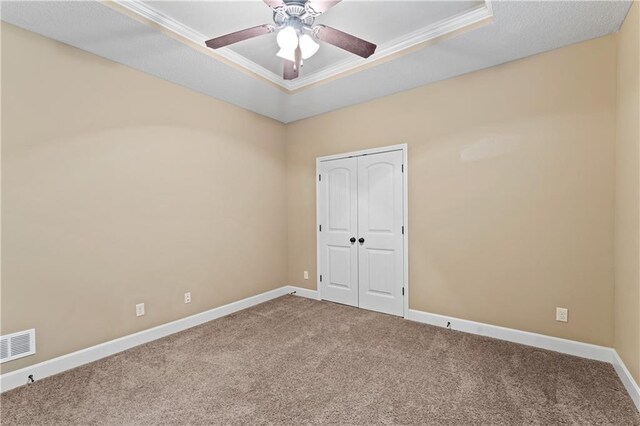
{"x": 562, "y": 314}
{"x": 140, "y": 309}
{"x": 187, "y": 297}
{"x": 306, "y": 275}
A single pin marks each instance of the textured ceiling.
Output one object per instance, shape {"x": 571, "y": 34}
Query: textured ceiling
{"x": 519, "y": 29}
{"x": 377, "y": 21}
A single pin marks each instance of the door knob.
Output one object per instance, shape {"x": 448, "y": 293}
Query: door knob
{"x": 361, "y": 240}
{"x": 353, "y": 240}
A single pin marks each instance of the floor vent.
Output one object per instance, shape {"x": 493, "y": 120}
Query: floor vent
{"x": 17, "y": 345}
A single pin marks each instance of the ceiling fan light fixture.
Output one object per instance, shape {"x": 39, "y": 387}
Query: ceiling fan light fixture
{"x": 308, "y": 46}
{"x": 288, "y": 54}
{"x": 287, "y": 39}
{"x": 293, "y": 19}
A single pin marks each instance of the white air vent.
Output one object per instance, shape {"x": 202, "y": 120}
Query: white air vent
{"x": 17, "y": 345}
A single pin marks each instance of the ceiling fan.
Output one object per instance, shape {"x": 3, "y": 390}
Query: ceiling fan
{"x": 296, "y": 37}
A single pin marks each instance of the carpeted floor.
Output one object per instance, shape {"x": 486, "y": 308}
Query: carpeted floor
{"x": 299, "y": 361}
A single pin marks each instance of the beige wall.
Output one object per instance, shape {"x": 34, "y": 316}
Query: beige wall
{"x": 627, "y": 229}
{"x": 119, "y": 188}
{"x": 511, "y": 189}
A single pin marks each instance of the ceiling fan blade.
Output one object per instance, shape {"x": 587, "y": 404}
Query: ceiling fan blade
{"x": 290, "y": 71}
{"x": 274, "y": 3}
{"x": 321, "y": 6}
{"x": 344, "y": 41}
{"x": 241, "y": 35}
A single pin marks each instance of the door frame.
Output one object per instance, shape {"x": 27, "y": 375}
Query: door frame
{"x": 405, "y": 212}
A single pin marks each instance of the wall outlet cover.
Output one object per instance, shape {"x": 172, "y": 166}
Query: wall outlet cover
{"x": 187, "y": 297}
{"x": 562, "y": 314}
{"x": 140, "y": 309}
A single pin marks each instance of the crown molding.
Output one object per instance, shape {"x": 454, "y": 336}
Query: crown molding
{"x": 150, "y": 14}
{"x": 400, "y": 45}
{"x": 393, "y": 48}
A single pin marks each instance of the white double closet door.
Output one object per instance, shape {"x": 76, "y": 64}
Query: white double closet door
{"x": 361, "y": 233}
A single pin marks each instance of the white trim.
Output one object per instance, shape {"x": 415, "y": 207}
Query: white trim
{"x": 404, "y": 42}
{"x": 397, "y": 147}
{"x": 145, "y": 11}
{"x": 405, "y": 207}
{"x": 318, "y": 263}
{"x": 75, "y": 359}
{"x": 57, "y": 365}
{"x": 392, "y": 47}
{"x": 627, "y": 379}
{"x": 556, "y": 344}
{"x": 303, "y": 292}
{"x": 570, "y": 347}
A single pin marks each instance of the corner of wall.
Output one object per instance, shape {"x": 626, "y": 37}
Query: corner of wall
{"x": 627, "y": 190}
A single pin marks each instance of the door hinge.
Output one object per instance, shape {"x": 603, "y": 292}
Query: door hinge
{"x": 402, "y": 229}
{"x": 320, "y": 228}
{"x": 403, "y": 168}
{"x": 320, "y": 277}
{"x": 403, "y": 291}
{"x": 319, "y": 178}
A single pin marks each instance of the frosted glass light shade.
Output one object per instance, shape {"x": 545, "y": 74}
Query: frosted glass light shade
{"x": 287, "y": 39}
{"x": 308, "y": 46}
{"x": 288, "y": 54}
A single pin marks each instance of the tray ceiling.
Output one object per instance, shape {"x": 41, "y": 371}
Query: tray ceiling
{"x": 423, "y": 42}
{"x": 394, "y": 26}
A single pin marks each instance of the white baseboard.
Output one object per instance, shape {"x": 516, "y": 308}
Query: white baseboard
{"x": 627, "y": 379}
{"x": 304, "y": 292}
{"x": 571, "y": 347}
{"x": 75, "y": 359}
{"x": 66, "y": 362}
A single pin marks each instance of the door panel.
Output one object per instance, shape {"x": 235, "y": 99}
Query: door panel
{"x": 380, "y": 220}
{"x": 338, "y": 216}
{"x": 380, "y": 211}
{"x": 381, "y": 271}
{"x": 339, "y": 267}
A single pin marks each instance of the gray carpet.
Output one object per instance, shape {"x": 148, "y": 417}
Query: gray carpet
{"x": 299, "y": 361}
